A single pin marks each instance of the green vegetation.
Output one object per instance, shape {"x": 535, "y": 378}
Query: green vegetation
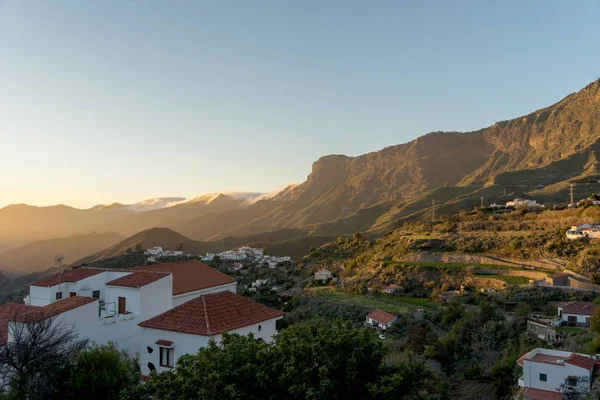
{"x": 348, "y": 299}
{"x": 510, "y": 279}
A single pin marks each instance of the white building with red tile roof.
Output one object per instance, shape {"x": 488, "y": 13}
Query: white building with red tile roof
{"x": 576, "y": 313}
{"x": 544, "y": 371}
{"x": 191, "y": 325}
{"x": 109, "y": 305}
{"x": 381, "y": 319}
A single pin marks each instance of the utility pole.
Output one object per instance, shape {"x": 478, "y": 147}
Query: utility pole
{"x": 572, "y": 194}
{"x": 432, "y": 210}
{"x": 504, "y": 191}
{"x": 481, "y": 201}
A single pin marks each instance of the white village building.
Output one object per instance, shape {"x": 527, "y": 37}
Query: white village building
{"x": 108, "y": 305}
{"x": 576, "y": 313}
{"x": 544, "y": 371}
{"x": 381, "y": 319}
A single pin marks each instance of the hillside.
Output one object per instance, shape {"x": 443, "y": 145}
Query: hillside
{"x": 41, "y": 254}
{"x": 538, "y": 154}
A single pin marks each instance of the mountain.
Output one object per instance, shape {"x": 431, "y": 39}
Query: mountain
{"x": 42, "y": 254}
{"x": 144, "y": 205}
{"x": 539, "y": 155}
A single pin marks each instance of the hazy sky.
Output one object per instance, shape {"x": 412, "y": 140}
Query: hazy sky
{"x": 104, "y": 101}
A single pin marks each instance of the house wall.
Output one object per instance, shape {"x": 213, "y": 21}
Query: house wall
{"x": 184, "y": 343}
{"x": 132, "y": 296}
{"x": 581, "y": 319}
{"x": 156, "y": 298}
{"x": 41, "y": 296}
{"x": 182, "y": 298}
{"x": 556, "y": 374}
{"x": 379, "y": 324}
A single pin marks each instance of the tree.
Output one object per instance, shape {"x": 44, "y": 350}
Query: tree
{"x": 101, "y": 372}
{"x": 33, "y": 360}
{"x": 522, "y": 309}
{"x": 595, "y": 321}
{"x": 357, "y": 236}
{"x": 138, "y": 248}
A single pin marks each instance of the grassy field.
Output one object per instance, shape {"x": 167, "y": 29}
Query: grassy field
{"x": 509, "y": 279}
{"x": 413, "y": 301}
{"x": 348, "y": 299}
{"x": 457, "y": 265}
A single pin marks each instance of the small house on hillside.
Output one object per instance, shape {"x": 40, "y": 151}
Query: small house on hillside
{"x": 381, "y": 319}
{"x": 576, "y": 313}
{"x": 391, "y": 289}
{"x": 322, "y": 275}
{"x": 559, "y": 279}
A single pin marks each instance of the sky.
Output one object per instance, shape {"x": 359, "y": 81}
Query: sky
{"x": 119, "y": 101}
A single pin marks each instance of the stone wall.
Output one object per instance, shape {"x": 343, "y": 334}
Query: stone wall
{"x": 541, "y": 331}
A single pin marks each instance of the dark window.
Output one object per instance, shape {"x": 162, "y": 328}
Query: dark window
{"x": 150, "y": 349}
{"x": 572, "y": 381}
{"x": 151, "y": 367}
{"x": 259, "y": 328}
{"x": 166, "y": 357}
{"x": 96, "y": 294}
{"x": 58, "y": 295}
{"x": 543, "y": 377}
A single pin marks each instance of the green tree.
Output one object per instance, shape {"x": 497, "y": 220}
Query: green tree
{"x": 522, "y": 309}
{"x": 595, "y": 321}
{"x": 101, "y": 372}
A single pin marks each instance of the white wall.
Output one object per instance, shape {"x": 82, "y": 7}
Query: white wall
{"x": 41, "y": 296}
{"x": 132, "y": 298}
{"x": 182, "y": 298}
{"x": 581, "y": 319}
{"x": 156, "y": 298}
{"x": 184, "y": 343}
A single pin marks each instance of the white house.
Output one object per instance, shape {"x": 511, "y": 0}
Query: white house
{"x": 523, "y": 203}
{"x": 544, "y": 371}
{"x": 155, "y": 251}
{"x": 322, "y": 275}
{"x": 232, "y": 255}
{"x": 576, "y": 313}
{"x": 190, "y": 326}
{"x": 208, "y": 257}
{"x": 381, "y": 319}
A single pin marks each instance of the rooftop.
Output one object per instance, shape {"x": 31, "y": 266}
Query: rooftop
{"x": 35, "y": 314}
{"x": 212, "y": 314}
{"x": 73, "y": 275}
{"x": 538, "y": 394}
{"x": 557, "y": 357}
{"x": 189, "y": 275}
{"x": 382, "y": 316}
{"x": 9, "y": 312}
{"x": 578, "y": 307}
{"x": 138, "y": 279}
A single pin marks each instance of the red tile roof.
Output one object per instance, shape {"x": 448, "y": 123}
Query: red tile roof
{"x": 212, "y": 314}
{"x": 164, "y": 343}
{"x": 190, "y": 275}
{"x": 538, "y": 394}
{"x": 144, "y": 378}
{"x": 73, "y": 275}
{"x": 35, "y": 314}
{"x": 9, "y": 312}
{"x": 580, "y": 361}
{"x": 579, "y": 307}
{"x": 138, "y": 279}
{"x": 382, "y": 316}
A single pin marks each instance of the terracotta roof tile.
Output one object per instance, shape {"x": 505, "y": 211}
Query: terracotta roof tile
{"x": 34, "y": 314}
{"x": 164, "y": 343}
{"x": 580, "y": 361}
{"x": 382, "y": 316}
{"x": 579, "y": 307}
{"x": 190, "y": 275}
{"x": 73, "y": 275}
{"x": 212, "y": 314}
{"x": 138, "y": 279}
{"x": 538, "y": 394}
{"x": 8, "y": 312}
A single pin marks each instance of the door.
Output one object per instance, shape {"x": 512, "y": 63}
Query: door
{"x": 122, "y": 305}
{"x": 72, "y": 294}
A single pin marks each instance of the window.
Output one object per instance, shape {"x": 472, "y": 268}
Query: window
{"x": 150, "y": 349}
{"x": 259, "y": 328}
{"x": 96, "y": 294}
{"x": 543, "y": 378}
{"x": 151, "y": 367}
{"x": 58, "y": 295}
{"x": 166, "y": 357}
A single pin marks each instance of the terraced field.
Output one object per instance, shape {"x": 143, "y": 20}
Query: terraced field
{"x": 338, "y": 297}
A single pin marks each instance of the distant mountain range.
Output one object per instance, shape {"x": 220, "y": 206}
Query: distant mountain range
{"x": 535, "y": 155}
